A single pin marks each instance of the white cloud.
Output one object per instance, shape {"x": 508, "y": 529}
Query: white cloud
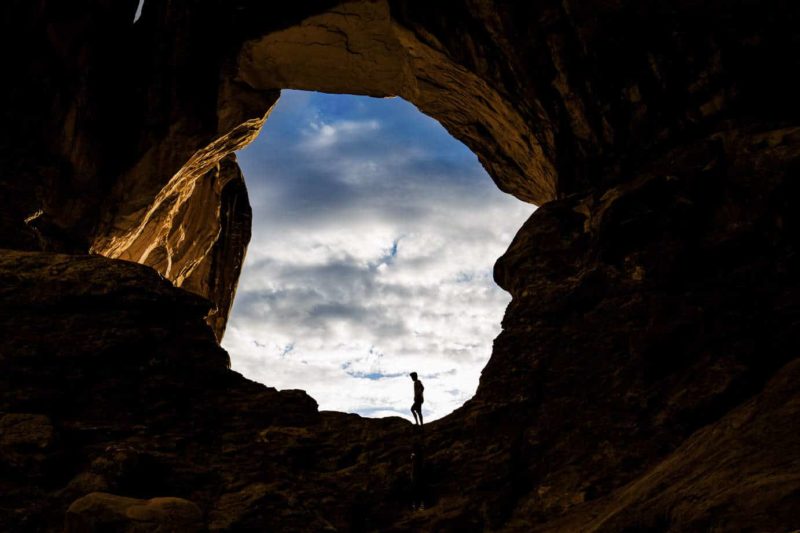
{"x": 324, "y": 135}
{"x": 371, "y": 257}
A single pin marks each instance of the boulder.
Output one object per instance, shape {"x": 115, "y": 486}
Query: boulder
{"x": 100, "y": 511}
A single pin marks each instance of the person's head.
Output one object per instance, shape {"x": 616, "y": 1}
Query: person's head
{"x": 413, "y": 376}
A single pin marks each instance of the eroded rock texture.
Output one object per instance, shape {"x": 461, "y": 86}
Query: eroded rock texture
{"x": 647, "y": 373}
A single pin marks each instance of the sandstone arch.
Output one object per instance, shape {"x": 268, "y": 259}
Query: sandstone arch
{"x": 354, "y": 48}
{"x": 647, "y": 373}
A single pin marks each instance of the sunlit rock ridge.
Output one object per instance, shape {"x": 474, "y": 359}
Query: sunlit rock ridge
{"x": 646, "y": 377}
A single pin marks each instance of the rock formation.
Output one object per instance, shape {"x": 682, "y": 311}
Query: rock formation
{"x": 98, "y": 511}
{"x": 646, "y": 377}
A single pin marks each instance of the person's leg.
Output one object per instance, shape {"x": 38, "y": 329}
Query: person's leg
{"x": 414, "y": 412}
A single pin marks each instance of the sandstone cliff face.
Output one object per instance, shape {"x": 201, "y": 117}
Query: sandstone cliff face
{"x": 216, "y": 274}
{"x": 195, "y": 233}
{"x": 646, "y": 376}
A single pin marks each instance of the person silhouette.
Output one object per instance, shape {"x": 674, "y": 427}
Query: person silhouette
{"x": 416, "y": 407}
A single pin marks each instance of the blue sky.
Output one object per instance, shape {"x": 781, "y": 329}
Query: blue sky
{"x": 374, "y": 238}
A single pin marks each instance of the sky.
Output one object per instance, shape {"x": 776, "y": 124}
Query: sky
{"x": 138, "y": 11}
{"x": 374, "y": 238}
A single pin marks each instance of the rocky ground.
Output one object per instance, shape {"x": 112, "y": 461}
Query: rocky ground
{"x": 647, "y": 362}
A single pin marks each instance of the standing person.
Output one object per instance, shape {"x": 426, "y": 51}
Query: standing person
{"x": 416, "y": 407}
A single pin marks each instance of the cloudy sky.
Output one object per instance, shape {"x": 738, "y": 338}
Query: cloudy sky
{"x": 374, "y": 237}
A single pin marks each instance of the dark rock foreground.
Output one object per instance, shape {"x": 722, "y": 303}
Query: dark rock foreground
{"x": 647, "y": 376}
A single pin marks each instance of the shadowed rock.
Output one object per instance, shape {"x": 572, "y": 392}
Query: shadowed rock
{"x": 645, "y": 377}
{"x": 106, "y": 512}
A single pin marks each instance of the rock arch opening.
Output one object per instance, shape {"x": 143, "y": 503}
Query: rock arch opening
{"x": 194, "y": 226}
{"x": 191, "y": 204}
{"x": 374, "y": 238}
{"x": 644, "y": 376}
